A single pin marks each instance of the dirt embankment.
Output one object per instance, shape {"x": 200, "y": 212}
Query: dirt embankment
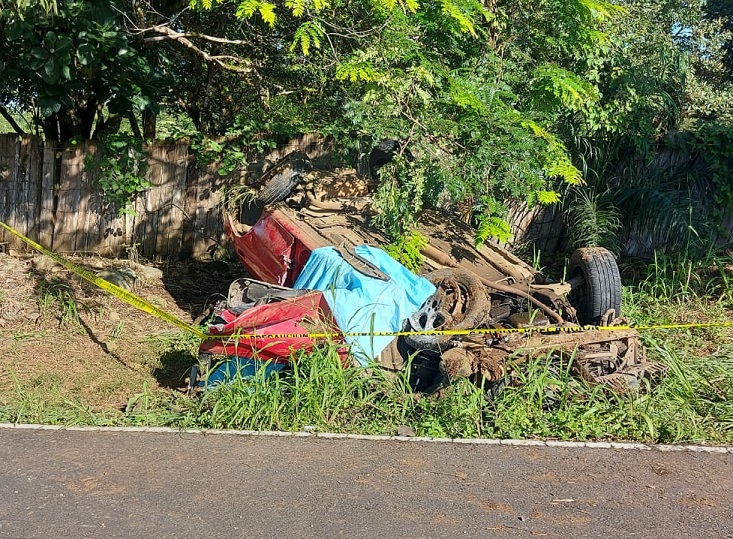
{"x": 64, "y": 337}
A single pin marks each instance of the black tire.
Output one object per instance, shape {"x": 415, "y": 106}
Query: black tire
{"x": 434, "y": 316}
{"x": 382, "y": 154}
{"x": 601, "y": 288}
{"x": 282, "y": 178}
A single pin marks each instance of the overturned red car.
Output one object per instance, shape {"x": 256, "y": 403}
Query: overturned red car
{"x": 310, "y": 239}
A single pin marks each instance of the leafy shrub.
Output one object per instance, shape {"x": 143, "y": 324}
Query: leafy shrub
{"x": 121, "y": 165}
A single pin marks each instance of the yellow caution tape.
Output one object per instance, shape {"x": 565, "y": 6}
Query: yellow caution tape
{"x": 149, "y": 308}
{"x": 113, "y": 289}
{"x": 476, "y": 331}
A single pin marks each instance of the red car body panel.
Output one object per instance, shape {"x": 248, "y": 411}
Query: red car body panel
{"x": 273, "y": 250}
{"x": 272, "y": 332}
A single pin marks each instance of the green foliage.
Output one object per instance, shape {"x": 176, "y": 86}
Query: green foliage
{"x": 56, "y": 298}
{"x": 547, "y": 198}
{"x": 492, "y": 227}
{"x": 646, "y": 203}
{"x": 20, "y": 6}
{"x": 71, "y": 64}
{"x": 34, "y": 405}
{"x": 592, "y": 218}
{"x": 714, "y": 141}
{"x": 490, "y": 98}
{"x": 399, "y": 198}
{"x": 671, "y": 281}
{"x": 555, "y": 89}
{"x": 459, "y": 413}
{"x": 248, "y": 8}
{"x": 120, "y": 167}
{"x": 317, "y": 393}
{"x": 555, "y": 162}
{"x": 357, "y": 71}
{"x": 407, "y": 249}
{"x": 719, "y": 14}
{"x": 309, "y": 33}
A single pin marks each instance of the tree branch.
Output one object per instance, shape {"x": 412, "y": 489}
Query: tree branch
{"x": 181, "y": 37}
{"x": 168, "y": 33}
{"x": 5, "y": 114}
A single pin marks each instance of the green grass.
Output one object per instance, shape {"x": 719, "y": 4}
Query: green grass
{"x": 58, "y": 297}
{"x": 317, "y": 393}
{"x": 42, "y": 404}
{"x": 693, "y": 403}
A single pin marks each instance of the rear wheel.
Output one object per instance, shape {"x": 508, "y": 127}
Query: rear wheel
{"x": 383, "y": 153}
{"x": 600, "y": 290}
{"x": 282, "y": 178}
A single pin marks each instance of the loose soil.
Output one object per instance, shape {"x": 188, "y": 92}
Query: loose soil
{"x": 66, "y": 338}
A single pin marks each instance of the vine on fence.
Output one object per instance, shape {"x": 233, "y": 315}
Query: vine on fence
{"x": 122, "y": 164}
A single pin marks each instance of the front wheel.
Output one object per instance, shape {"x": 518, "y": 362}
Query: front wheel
{"x": 460, "y": 303}
{"x": 600, "y": 288}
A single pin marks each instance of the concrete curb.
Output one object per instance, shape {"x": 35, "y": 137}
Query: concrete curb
{"x": 368, "y": 437}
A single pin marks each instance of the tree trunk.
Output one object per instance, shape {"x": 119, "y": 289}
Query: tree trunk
{"x": 70, "y": 123}
{"x": 59, "y": 127}
{"x": 149, "y": 124}
{"x": 106, "y": 126}
{"x": 134, "y": 125}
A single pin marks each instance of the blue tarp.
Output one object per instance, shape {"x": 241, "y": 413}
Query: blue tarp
{"x": 242, "y": 367}
{"x": 360, "y": 303}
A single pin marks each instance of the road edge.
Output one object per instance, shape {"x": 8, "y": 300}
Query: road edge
{"x": 371, "y": 437}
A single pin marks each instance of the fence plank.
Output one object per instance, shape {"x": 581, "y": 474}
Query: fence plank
{"x": 6, "y": 180}
{"x": 31, "y": 157}
{"x": 170, "y": 184}
{"x": 69, "y": 199}
{"x": 178, "y": 214}
{"x": 203, "y": 207}
{"x": 144, "y": 232}
{"x": 110, "y": 226}
{"x": 188, "y": 237}
{"x": 22, "y": 188}
{"x": 87, "y": 221}
{"x": 163, "y": 222}
{"x": 15, "y": 194}
{"x": 46, "y": 195}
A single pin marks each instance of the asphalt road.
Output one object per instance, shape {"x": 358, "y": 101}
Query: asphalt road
{"x": 69, "y": 484}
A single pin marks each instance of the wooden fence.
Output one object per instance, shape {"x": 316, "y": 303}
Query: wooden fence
{"x": 49, "y": 195}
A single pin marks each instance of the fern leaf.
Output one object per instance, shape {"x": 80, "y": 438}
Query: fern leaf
{"x": 547, "y": 197}
{"x": 318, "y": 5}
{"x": 492, "y": 227}
{"x": 357, "y": 71}
{"x": 602, "y": 10}
{"x": 194, "y": 4}
{"x": 554, "y": 87}
{"x": 302, "y": 37}
{"x": 296, "y": 6}
{"x": 246, "y": 9}
{"x": 454, "y": 12}
{"x": 412, "y": 5}
{"x": 557, "y": 163}
{"x": 267, "y": 12}
{"x": 562, "y": 167}
{"x": 309, "y": 33}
